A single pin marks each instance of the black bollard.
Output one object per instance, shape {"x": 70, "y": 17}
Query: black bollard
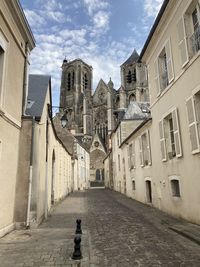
{"x": 78, "y": 227}
{"x": 77, "y": 255}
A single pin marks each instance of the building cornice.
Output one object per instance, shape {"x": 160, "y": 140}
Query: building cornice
{"x": 20, "y": 19}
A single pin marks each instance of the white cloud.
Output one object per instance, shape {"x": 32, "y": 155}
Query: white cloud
{"x": 95, "y": 5}
{"x": 152, "y": 7}
{"x": 34, "y": 19}
{"x": 101, "y": 19}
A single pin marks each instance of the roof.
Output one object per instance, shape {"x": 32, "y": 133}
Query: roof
{"x": 37, "y": 91}
{"x": 151, "y": 33}
{"x": 137, "y": 111}
{"x": 133, "y": 58}
{"x": 136, "y": 130}
{"x": 68, "y": 62}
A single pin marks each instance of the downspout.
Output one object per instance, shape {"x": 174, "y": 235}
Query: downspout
{"x": 30, "y": 173}
{"x": 46, "y": 166}
{"x": 25, "y": 79}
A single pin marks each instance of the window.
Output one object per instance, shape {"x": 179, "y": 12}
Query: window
{"x": 119, "y": 162}
{"x": 193, "y": 112}
{"x": 132, "y": 98}
{"x": 162, "y": 65}
{"x": 189, "y": 32}
{"x": 131, "y": 76}
{"x": 2, "y": 65}
{"x": 145, "y": 151}
{"x": 133, "y": 185}
{"x": 170, "y": 136}
{"x": 131, "y": 156}
{"x": 73, "y": 78}
{"x": 163, "y": 68}
{"x": 85, "y": 81}
{"x": 175, "y": 188}
{"x": 195, "y": 38}
{"x": 69, "y": 81}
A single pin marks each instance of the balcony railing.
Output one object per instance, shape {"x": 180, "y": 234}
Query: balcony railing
{"x": 195, "y": 40}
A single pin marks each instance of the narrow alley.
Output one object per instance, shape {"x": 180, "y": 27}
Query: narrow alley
{"x": 117, "y": 232}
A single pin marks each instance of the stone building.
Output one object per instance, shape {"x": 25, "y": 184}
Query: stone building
{"x": 92, "y": 115}
{"x": 16, "y": 42}
{"x": 158, "y": 161}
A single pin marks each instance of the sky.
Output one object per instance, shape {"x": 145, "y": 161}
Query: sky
{"x": 103, "y": 33}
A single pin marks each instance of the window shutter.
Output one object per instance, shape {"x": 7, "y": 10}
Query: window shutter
{"x": 156, "y": 77}
{"x": 193, "y": 126}
{"x": 162, "y": 141}
{"x": 177, "y": 137}
{"x": 133, "y": 155}
{"x": 149, "y": 147}
{"x": 182, "y": 42}
{"x": 129, "y": 160}
{"x": 170, "y": 70}
{"x": 141, "y": 152}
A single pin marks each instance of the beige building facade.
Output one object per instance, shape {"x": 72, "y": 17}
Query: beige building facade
{"x": 170, "y": 180}
{"x": 47, "y": 171}
{"x": 16, "y": 41}
{"x": 172, "y": 56}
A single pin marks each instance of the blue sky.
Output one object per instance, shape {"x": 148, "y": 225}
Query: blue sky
{"x": 103, "y": 33}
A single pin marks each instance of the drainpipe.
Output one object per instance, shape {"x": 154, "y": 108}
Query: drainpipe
{"x": 30, "y": 173}
{"x": 46, "y": 166}
{"x": 25, "y": 78}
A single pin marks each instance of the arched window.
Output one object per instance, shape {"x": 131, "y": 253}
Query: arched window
{"x": 134, "y": 75}
{"x": 73, "y": 78}
{"x": 85, "y": 81}
{"x": 129, "y": 77}
{"x": 132, "y": 98}
{"x": 69, "y": 81}
{"x": 118, "y": 102}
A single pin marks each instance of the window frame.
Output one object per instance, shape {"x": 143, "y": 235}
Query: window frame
{"x": 164, "y": 138}
{"x": 195, "y": 122}
{"x": 169, "y": 69}
{"x": 4, "y": 46}
{"x": 173, "y": 189}
{"x": 148, "y": 149}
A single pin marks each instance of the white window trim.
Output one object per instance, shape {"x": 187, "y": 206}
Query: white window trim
{"x": 4, "y": 45}
{"x": 162, "y": 119}
{"x": 141, "y": 152}
{"x": 157, "y": 76}
{"x": 0, "y": 148}
{"x": 171, "y": 178}
{"x": 195, "y": 91}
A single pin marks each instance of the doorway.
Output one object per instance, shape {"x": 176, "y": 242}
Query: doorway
{"x": 148, "y": 191}
{"x": 98, "y": 175}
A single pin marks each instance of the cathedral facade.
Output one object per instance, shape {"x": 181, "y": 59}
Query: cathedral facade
{"x": 93, "y": 115}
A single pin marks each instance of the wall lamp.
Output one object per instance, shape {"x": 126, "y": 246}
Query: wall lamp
{"x": 62, "y": 110}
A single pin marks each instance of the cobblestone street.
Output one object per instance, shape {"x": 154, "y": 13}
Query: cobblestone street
{"x": 117, "y": 232}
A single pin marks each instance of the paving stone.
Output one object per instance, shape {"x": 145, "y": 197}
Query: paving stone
{"x": 117, "y": 232}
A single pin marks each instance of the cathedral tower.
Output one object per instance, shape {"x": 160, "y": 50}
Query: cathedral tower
{"x": 134, "y": 79}
{"x": 75, "y": 95}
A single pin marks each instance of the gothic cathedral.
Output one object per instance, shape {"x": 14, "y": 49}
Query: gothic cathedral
{"x": 92, "y": 116}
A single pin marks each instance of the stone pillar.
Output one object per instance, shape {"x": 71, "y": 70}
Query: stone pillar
{"x": 122, "y": 98}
